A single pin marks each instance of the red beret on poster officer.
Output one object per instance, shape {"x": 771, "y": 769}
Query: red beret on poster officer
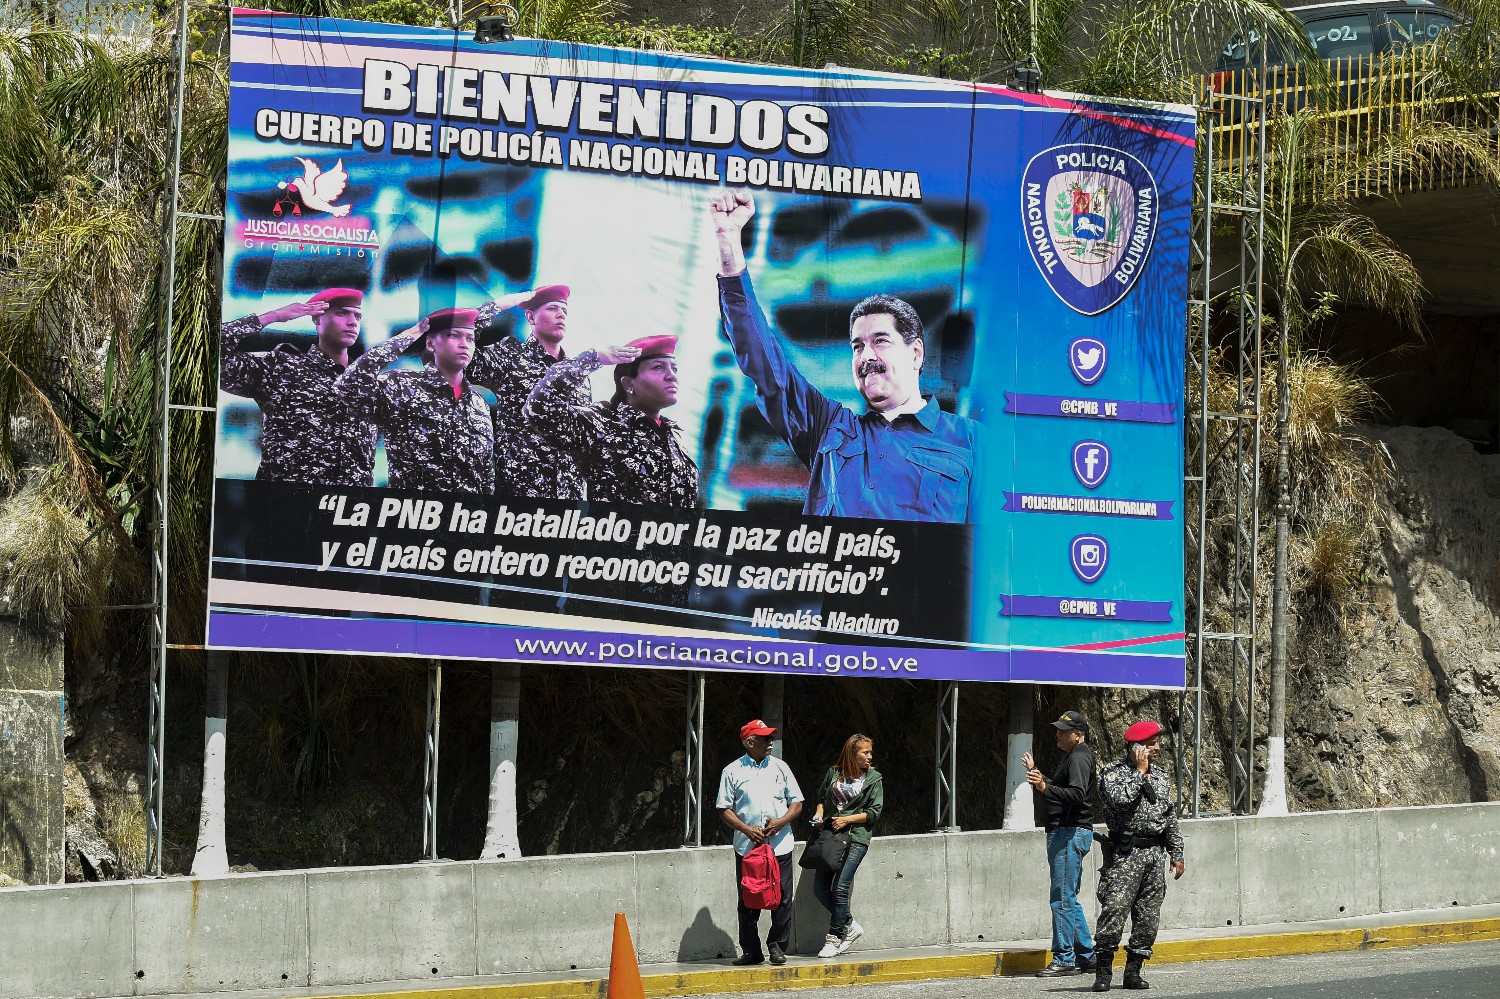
{"x": 340, "y": 298}
{"x": 1141, "y": 731}
{"x": 543, "y": 295}
{"x": 656, "y": 345}
{"x": 451, "y": 319}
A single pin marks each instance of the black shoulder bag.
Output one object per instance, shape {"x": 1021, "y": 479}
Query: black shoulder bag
{"x": 825, "y": 851}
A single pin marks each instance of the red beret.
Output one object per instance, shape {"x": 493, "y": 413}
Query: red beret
{"x": 756, "y": 727}
{"x": 340, "y": 298}
{"x": 659, "y": 345}
{"x": 451, "y": 319}
{"x": 1141, "y": 731}
{"x": 550, "y": 293}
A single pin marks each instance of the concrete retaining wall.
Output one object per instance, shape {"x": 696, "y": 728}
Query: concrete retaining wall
{"x": 432, "y": 921}
{"x": 31, "y": 756}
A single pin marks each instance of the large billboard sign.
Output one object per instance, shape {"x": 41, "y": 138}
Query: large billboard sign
{"x": 565, "y": 354}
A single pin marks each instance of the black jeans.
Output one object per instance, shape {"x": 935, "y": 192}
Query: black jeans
{"x": 781, "y": 916}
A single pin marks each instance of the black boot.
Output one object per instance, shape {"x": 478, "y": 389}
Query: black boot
{"x": 1133, "y": 979}
{"x": 1104, "y": 970}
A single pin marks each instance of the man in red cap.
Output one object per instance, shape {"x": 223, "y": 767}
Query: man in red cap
{"x": 527, "y": 462}
{"x": 759, "y": 799}
{"x": 1141, "y": 813}
{"x": 627, "y": 450}
{"x": 438, "y": 434}
{"x": 307, "y": 435}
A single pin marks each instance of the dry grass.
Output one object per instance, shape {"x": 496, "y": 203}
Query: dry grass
{"x": 1328, "y": 400}
{"x": 1330, "y": 562}
{"x": 49, "y": 557}
{"x": 123, "y": 827}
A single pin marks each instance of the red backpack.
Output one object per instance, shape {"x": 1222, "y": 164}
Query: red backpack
{"x": 760, "y": 878}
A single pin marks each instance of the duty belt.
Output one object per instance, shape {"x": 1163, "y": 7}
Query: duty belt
{"x": 1139, "y": 841}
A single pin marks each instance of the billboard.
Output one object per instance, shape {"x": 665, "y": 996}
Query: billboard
{"x": 567, "y": 354}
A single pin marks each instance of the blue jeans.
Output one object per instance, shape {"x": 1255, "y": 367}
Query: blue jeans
{"x": 1066, "y": 848}
{"x": 833, "y": 890}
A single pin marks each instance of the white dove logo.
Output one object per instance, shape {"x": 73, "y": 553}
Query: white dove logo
{"x": 319, "y": 189}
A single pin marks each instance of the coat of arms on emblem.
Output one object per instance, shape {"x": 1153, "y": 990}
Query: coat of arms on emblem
{"x": 1087, "y": 225}
{"x": 1090, "y": 217}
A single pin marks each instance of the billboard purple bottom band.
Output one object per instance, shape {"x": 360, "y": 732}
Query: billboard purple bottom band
{"x": 450, "y": 640}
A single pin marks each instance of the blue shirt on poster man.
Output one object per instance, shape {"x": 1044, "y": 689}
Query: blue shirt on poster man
{"x": 904, "y": 458}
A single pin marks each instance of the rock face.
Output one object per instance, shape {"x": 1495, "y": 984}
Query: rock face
{"x": 1395, "y": 700}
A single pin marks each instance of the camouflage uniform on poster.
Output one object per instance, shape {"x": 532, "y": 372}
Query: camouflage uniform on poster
{"x": 1141, "y": 812}
{"x": 438, "y": 434}
{"x": 628, "y": 453}
{"x": 307, "y": 434}
{"x": 527, "y": 462}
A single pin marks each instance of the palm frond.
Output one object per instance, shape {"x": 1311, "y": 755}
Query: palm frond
{"x": 1348, "y": 256}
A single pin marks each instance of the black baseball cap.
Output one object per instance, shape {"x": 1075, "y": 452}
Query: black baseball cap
{"x": 1071, "y": 720}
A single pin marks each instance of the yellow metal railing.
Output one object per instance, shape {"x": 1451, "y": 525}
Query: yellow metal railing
{"x": 1366, "y": 105}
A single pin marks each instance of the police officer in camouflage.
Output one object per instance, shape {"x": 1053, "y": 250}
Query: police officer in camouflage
{"x": 307, "y": 434}
{"x": 438, "y": 434}
{"x": 1141, "y": 813}
{"x": 527, "y": 462}
{"x": 628, "y": 451}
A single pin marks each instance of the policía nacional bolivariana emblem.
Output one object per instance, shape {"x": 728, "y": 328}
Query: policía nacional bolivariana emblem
{"x": 1089, "y": 213}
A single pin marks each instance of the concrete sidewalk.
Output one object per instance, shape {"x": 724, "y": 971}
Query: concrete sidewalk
{"x": 982, "y": 959}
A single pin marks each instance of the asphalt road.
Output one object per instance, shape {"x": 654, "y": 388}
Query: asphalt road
{"x": 1450, "y": 971}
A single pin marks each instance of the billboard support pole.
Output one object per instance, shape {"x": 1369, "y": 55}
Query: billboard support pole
{"x": 157, "y": 704}
{"x": 692, "y": 779}
{"x": 430, "y": 764}
{"x": 772, "y": 706}
{"x": 1223, "y": 464}
{"x": 945, "y": 804}
{"x": 1195, "y": 448}
{"x": 1020, "y": 809}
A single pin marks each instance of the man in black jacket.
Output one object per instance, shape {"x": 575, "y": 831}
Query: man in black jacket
{"x": 1068, "y": 795}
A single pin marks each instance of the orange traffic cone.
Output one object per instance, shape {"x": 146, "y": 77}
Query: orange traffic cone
{"x": 624, "y": 970}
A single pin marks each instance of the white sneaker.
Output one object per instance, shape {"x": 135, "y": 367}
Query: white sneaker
{"x": 830, "y": 946}
{"x": 852, "y": 932}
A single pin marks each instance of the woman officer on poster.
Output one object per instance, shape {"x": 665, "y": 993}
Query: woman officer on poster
{"x": 629, "y": 451}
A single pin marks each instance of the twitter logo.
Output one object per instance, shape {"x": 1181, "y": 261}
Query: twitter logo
{"x": 1086, "y": 358}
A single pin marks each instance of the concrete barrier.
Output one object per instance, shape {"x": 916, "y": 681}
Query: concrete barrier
{"x": 247, "y": 932}
{"x": 1446, "y": 855}
{"x": 305, "y": 929}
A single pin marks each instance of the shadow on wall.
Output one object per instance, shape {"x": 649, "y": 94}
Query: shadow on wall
{"x": 704, "y": 941}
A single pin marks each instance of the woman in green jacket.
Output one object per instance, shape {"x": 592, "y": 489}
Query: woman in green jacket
{"x": 853, "y": 795}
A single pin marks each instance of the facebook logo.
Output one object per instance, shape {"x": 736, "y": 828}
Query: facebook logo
{"x": 1090, "y": 463}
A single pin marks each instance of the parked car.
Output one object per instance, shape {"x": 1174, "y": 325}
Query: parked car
{"x": 1348, "y": 28}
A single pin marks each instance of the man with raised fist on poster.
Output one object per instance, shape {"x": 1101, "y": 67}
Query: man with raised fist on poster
{"x": 307, "y": 434}
{"x": 438, "y": 434}
{"x": 903, "y": 458}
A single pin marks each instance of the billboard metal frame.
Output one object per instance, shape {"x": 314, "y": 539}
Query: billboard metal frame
{"x": 1229, "y": 439}
{"x": 1223, "y": 446}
